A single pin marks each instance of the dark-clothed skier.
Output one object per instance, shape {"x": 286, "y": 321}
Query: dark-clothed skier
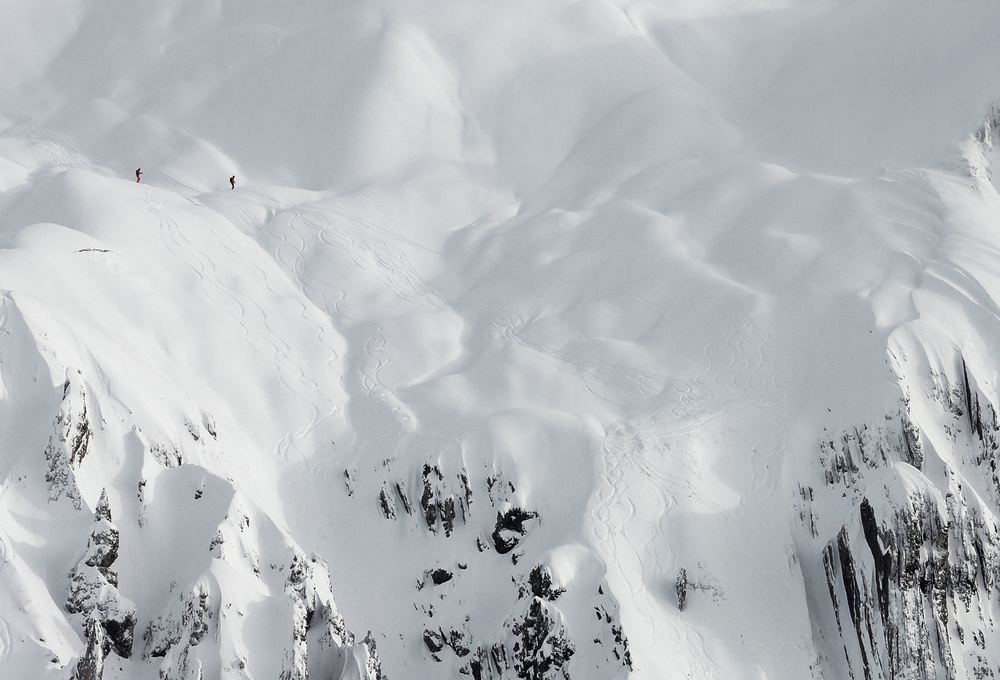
{"x": 232, "y": 180}
{"x": 138, "y": 172}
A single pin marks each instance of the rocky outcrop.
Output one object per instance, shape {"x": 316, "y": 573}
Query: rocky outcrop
{"x": 912, "y": 576}
{"x": 681, "y": 588}
{"x": 537, "y": 647}
{"x": 91, "y": 664}
{"x": 441, "y": 500}
{"x": 173, "y": 635}
{"x": 109, "y": 618}
{"x": 510, "y": 528}
{"x": 69, "y": 442}
{"x": 320, "y": 638}
{"x": 541, "y": 646}
{"x": 539, "y": 643}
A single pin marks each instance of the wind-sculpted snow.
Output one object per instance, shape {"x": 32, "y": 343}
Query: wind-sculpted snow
{"x": 538, "y": 339}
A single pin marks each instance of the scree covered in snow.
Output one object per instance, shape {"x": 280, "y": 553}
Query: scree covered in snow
{"x": 538, "y": 339}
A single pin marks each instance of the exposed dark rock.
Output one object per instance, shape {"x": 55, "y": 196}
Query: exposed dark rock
{"x": 540, "y": 580}
{"x": 489, "y": 663}
{"x": 403, "y": 498}
{"x": 458, "y": 644}
{"x": 348, "y": 483}
{"x": 538, "y": 647}
{"x": 373, "y": 667}
{"x": 319, "y": 634}
{"x": 916, "y": 566}
{"x": 436, "y": 576}
{"x": 427, "y": 500}
{"x": 68, "y": 444}
{"x": 681, "y": 588}
{"x": 168, "y": 457}
{"x": 93, "y": 590}
{"x": 441, "y": 505}
{"x": 626, "y": 655}
{"x": 90, "y": 666}
{"x": 510, "y": 529}
{"x": 499, "y": 489}
{"x": 542, "y": 647}
{"x": 439, "y": 576}
{"x": 209, "y": 423}
{"x": 435, "y": 642}
{"x": 386, "y": 505}
{"x": 184, "y": 624}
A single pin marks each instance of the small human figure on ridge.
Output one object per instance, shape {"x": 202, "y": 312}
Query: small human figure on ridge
{"x": 232, "y": 180}
{"x": 138, "y": 172}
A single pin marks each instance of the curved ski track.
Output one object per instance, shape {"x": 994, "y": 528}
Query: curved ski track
{"x": 615, "y": 518}
{"x": 381, "y": 420}
{"x": 255, "y": 324}
{"x": 740, "y": 371}
{"x": 60, "y": 150}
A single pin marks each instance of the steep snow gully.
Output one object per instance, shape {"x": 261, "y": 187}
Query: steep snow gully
{"x": 542, "y": 339}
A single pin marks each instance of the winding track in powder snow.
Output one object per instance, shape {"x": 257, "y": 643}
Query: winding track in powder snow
{"x": 740, "y": 371}
{"x": 255, "y": 324}
{"x": 375, "y": 249}
{"x": 615, "y": 523}
{"x": 60, "y": 150}
{"x": 739, "y": 366}
{"x": 378, "y": 420}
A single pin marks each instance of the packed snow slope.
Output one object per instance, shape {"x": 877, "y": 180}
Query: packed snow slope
{"x": 538, "y": 339}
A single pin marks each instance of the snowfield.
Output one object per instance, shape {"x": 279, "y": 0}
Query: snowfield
{"x": 557, "y": 339}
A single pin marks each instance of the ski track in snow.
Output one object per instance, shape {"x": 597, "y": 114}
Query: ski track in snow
{"x": 615, "y": 517}
{"x": 378, "y": 422}
{"x": 380, "y": 419}
{"x": 389, "y": 260}
{"x": 60, "y": 150}
{"x": 375, "y": 249}
{"x": 740, "y": 371}
{"x": 258, "y": 327}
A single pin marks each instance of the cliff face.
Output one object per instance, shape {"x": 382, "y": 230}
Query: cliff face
{"x": 911, "y": 575}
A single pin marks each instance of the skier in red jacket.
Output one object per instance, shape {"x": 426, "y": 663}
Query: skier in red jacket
{"x": 138, "y": 172}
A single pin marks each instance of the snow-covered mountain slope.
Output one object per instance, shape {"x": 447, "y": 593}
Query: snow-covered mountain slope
{"x": 560, "y": 339}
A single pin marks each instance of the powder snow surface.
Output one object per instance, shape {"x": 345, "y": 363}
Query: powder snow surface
{"x": 634, "y": 256}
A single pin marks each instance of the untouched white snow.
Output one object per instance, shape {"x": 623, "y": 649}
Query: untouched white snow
{"x": 635, "y": 258}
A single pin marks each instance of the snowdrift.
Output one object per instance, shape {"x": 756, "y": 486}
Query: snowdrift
{"x": 536, "y": 340}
